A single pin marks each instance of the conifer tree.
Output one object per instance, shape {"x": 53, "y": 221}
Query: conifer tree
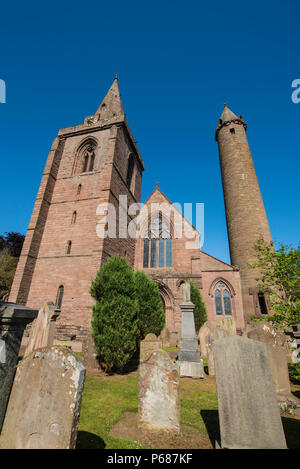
{"x": 115, "y": 321}
{"x": 151, "y": 315}
{"x": 199, "y": 312}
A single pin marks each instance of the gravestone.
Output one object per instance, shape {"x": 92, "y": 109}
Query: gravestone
{"x": 203, "y": 336}
{"x": 228, "y": 324}
{"x": 44, "y": 405}
{"x": 247, "y": 404}
{"x": 89, "y": 355}
{"x": 13, "y": 321}
{"x": 275, "y": 342}
{"x": 189, "y": 355}
{"x": 149, "y": 345}
{"x": 216, "y": 334}
{"x": 164, "y": 336}
{"x": 42, "y": 329}
{"x": 159, "y": 393}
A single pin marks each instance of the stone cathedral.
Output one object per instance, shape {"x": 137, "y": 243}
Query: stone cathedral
{"x": 97, "y": 162}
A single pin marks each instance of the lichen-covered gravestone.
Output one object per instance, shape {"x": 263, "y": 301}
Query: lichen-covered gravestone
{"x": 149, "y": 345}
{"x": 44, "y": 405}
{"x": 159, "y": 394}
{"x": 216, "y": 334}
{"x": 248, "y": 411}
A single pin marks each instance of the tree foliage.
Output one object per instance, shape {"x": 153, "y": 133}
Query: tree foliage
{"x": 280, "y": 280}
{"x": 8, "y": 265}
{"x": 115, "y": 322}
{"x": 151, "y": 316}
{"x": 10, "y": 249}
{"x": 199, "y": 312}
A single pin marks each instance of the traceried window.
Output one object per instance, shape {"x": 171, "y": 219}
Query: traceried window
{"x": 60, "y": 294}
{"x": 222, "y": 300}
{"x": 88, "y": 158}
{"x": 158, "y": 245}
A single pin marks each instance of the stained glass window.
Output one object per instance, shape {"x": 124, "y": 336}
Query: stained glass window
{"x": 226, "y": 301}
{"x": 218, "y": 302}
{"x": 146, "y": 253}
{"x": 158, "y": 245}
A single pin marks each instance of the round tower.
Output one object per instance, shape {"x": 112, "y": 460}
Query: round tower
{"x": 245, "y": 212}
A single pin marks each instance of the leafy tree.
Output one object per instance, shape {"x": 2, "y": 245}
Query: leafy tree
{"x": 280, "y": 280}
{"x": 14, "y": 242}
{"x": 199, "y": 312}
{"x": 10, "y": 249}
{"x": 8, "y": 265}
{"x": 151, "y": 316}
{"x": 114, "y": 323}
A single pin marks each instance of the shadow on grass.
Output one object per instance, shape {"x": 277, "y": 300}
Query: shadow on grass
{"x": 87, "y": 440}
{"x": 211, "y": 421}
{"x": 292, "y": 431}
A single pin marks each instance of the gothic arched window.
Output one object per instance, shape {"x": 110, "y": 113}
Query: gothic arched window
{"x": 88, "y": 158}
{"x": 158, "y": 245}
{"x": 222, "y": 300}
{"x": 79, "y": 189}
{"x": 59, "y": 297}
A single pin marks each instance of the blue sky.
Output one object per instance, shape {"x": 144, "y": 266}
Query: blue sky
{"x": 177, "y": 63}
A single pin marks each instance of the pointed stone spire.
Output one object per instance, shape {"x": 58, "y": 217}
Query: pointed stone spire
{"x": 227, "y": 114}
{"x": 111, "y": 105}
{"x": 227, "y": 117}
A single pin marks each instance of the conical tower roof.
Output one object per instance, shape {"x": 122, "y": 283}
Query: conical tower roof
{"x": 227, "y": 114}
{"x": 111, "y": 105}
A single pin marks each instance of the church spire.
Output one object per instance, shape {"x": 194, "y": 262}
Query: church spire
{"x": 111, "y": 105}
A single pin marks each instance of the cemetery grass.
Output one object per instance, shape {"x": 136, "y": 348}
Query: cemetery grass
{"x": 111, "y": 399}
{"x": 106, "y": 399}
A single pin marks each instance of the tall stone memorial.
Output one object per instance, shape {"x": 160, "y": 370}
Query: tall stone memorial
{"x": 189, "y": 355}
{"x": 44, "y": 405}
{"x": 248, "y": 411}
{"x": 159, "y": 393}
{"x": 13, "y": 321}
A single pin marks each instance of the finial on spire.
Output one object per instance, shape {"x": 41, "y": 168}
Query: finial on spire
{"x": 157, "y": 184}
{"x": 116, "y": 77}
{"x": 225, "y": 104}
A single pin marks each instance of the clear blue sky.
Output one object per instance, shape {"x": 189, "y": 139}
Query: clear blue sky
{"x": 177, "y": 63}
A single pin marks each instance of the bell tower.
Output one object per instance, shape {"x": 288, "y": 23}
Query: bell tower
{"x": 89, "y": 165}
{"x": 245, "y": 212}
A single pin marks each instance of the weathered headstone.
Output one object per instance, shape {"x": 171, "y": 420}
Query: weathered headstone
{"x": 164, "y": 336}
{"x": 149, "y": 345}
{"x": 216, "y": 333}
{"x": 42, "y": 329}
{"x": 228, "y": 324}
{"x": 13, "y": 321}
{"x": 203, "y": 336}
{"x": 89, "y": 355}
{"x": 44, "y": 405}
{"x": 248, "y": 411}
{"x": 275, "y": 342}
{"x": 159, "y": 393}
{"x": 189, "y": 355}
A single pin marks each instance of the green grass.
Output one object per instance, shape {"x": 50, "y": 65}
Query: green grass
{"x": 105, "y": 399}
